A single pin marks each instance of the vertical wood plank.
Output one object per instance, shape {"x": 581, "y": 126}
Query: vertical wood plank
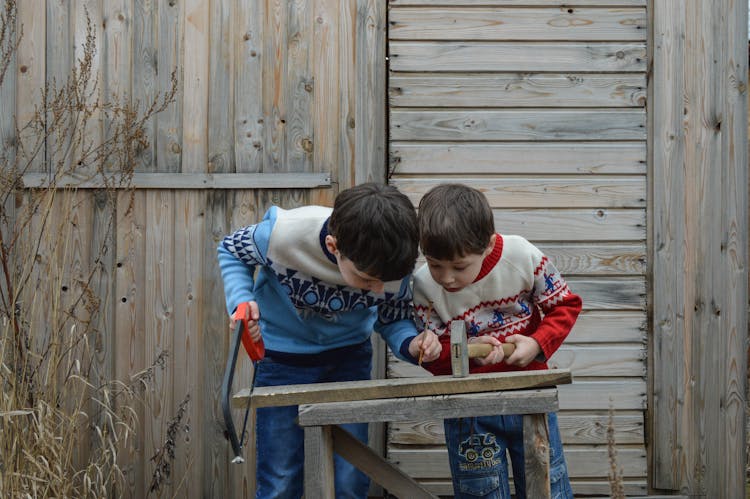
{"x": 275, "y": 60}
{"x": 102, "y": 250}
{"x": 250, "y": 120}
{"x": 59, "y": 61}
{"x": 217, "y": 470}
{"x": 169, "y": 58}
{"x": 369, "y": 159}
{"x": 244, "y": 208}
{"x": 145, "y": 79}
{"x": 129, "y": 332}
{"x": 195, "y": 64}
{"x": 221, "y": 61}
{"x": 31, "y": 76}
{"x": 8, "y": 89}
{"x": 92, "y": 131}
{"x": 326, "y": 67}
{"x": 117, "y": 57}
{"x": 159, "y": 324}
{"x": 344, "y": 168}
{"x": 319, "y": 462}
{"x": 734, "y": 195}
{"x": 298, "y": 140}
{"x": 698, "y": 287}
{"x": 189, "y": 341}
{"x": 536, "y": 455}
{"x": 668, "y": 150}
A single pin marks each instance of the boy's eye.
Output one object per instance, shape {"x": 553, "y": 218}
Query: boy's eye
{"x": 460, "y": 269}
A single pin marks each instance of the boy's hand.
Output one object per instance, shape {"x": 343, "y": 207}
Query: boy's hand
{"x": 527, "y": 349}
{"x": 252, "y": 316}
{"x": 426, "y": 346}
{"x": 495, "y": 356}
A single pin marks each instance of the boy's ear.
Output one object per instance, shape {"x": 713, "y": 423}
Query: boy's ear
{"x": 331, "y": 244}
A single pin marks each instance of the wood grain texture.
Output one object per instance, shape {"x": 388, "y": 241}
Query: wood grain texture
{"x": 575, "y": 429}
{"x": 546, "y": 3}
{"x": 389, "y": 388}
{"x": 517, "y": 56}
{"x": 702, "y": 209}
{"x": 517, "y": 90}
{"x": 250, "y": 124}
{"x": 450, "y": 158}
{"x": 443, "y": 406}
{"x": 548, "y": 192}
{"x": 517, "y": 23}
{"x": 509, "y": 125}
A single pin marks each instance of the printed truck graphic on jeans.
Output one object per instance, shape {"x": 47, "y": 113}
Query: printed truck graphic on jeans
{"x": 483, "y": 445}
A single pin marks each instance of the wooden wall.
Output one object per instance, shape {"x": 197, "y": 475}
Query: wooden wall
{"x": 278, "y": 102}
{"x": 700, "y": 227}
{"x": 541, "y": 106}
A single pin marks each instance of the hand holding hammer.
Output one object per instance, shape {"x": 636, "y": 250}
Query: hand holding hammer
{"x": 462, "y": 351}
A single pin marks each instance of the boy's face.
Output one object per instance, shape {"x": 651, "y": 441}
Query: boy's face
{"x": 456, "y": 274}
{"x": 352, "y": 275}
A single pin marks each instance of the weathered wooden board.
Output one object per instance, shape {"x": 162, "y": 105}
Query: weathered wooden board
{"x": 575, "y": 429}
{"x": 442, "y": 406}
{"x": 516, "y": 23}
{"x": 549, "y": 192}
{"x": 563, "y": 4}
{"x": 583, "y": 360}
{"x": 582, "y": 461}
{"x": 390, "y": 388}
{"x": 518, "y": 124}
{"x": 517, "y": 90}
{"x": 522, "y": 158}
{"x": 589, "y": 488}
{"x": 517, "y": 56}
{"x": 573, "y": 224}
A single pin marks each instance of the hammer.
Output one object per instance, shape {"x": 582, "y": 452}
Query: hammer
{"x": 461, "y": 351}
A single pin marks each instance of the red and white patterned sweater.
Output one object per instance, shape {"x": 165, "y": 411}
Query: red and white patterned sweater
{"x": 517, "y": 291}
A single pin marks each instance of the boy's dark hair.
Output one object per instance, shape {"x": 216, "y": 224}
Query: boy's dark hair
{"x": 454, "y": 220}
{"x": 375, "y": 227}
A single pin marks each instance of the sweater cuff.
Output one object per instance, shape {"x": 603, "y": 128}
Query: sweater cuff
{"x": 404, "y": 350}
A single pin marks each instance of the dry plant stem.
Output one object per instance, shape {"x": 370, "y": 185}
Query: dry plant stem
{"x": 62, "y": 423}
{"x": 617, "y": 488}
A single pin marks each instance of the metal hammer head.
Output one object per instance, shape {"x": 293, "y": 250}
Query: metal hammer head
{"x": 459, "y": 350}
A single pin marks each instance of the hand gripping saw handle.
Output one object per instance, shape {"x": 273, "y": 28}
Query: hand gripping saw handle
{"x": 256, "y": 351}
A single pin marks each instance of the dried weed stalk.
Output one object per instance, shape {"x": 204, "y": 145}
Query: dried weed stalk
{"x": 616, "y": 485}
{"x": 63, "y": 419}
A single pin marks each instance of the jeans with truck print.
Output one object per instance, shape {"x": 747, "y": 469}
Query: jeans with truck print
{"x": 478, "y": 450}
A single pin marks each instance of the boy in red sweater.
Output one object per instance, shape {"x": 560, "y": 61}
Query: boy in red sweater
{"x": 505, "y": 290}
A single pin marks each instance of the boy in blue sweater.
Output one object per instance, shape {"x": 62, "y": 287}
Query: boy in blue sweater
{"x": 326, "y": 278}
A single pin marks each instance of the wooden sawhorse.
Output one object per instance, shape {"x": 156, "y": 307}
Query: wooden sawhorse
{"x": 325, "y": 406}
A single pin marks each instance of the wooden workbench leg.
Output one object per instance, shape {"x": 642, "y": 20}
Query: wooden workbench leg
{"x": 319, "y": 481}
{"x": 536, "y": 454}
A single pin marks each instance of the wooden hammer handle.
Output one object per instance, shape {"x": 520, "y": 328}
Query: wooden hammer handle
{"x": 483, "y": 349}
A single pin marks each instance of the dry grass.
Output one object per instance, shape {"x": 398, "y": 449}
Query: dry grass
{"x": 616, "y": 486}
{"x": 63, "y": 420}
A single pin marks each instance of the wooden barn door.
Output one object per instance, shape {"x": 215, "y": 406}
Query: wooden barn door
{"x": 541, "y": 105}
{"x": 278, "y": 102}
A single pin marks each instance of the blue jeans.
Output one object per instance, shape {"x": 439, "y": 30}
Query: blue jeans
{"x": 279, "y": 440}
{"x": 479, "y": 465}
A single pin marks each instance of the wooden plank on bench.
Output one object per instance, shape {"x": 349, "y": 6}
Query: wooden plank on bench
{"x": 270, "y": 396}
{"x": 441, "y": 406}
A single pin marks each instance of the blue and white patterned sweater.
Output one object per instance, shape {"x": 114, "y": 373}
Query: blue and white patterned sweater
{"x": 305, "y": 305}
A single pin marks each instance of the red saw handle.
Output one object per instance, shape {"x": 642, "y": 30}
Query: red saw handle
{"x": 255, "y": 349}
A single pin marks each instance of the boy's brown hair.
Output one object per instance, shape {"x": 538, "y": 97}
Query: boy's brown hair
{"x": 455, "y": 220}
{"x": 375, "y": 227}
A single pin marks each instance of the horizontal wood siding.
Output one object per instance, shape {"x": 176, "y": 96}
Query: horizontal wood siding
{"x": 542, "y": 107}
